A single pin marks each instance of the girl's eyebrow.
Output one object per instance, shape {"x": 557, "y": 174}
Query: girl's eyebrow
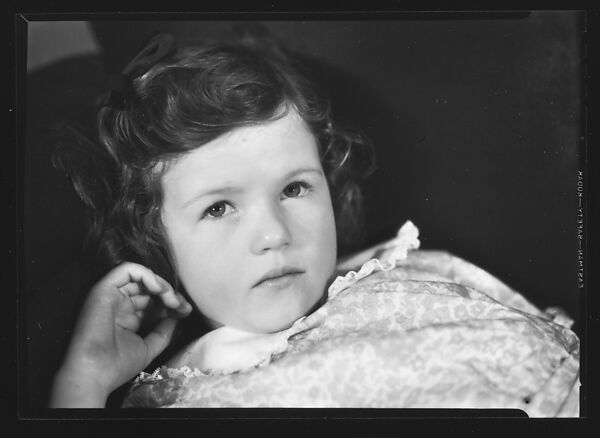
{"x": 229, "y": 190}
{"x": 297, "y": 172}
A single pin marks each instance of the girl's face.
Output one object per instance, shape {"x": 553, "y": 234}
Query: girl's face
{"x": 250, "y": 225}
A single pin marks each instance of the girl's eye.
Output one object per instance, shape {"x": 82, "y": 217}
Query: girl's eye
{"x": 217, "y": 210}
{"x": 296, "y": 189}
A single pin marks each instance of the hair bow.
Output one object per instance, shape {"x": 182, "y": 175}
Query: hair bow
{"x": 156, "y": 48}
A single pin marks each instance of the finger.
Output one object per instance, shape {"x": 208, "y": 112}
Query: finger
{"x": 165, "y": 312}
{"x": 129, "y": 321}
{"x": 184, "y": 307}
{"x": 165, "y": 291}
{"x": 134, "y": 290}
{"x": 140, "y": 302}
{"x": 159, "y": 338}
{"x": 168, "y": 295}
{"x": 131, "y": 289}
{"x": 127, "y": 305}
{"x": 129, "y": 272}
{"x": 172, "y": 299}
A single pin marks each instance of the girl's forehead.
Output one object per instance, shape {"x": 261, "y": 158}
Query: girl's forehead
{"x": 252, "y": 152}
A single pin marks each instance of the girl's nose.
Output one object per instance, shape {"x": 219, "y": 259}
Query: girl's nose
{"x": 272, "y": 231}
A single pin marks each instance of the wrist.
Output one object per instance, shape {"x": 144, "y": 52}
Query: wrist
{"x": 73, "y": 388}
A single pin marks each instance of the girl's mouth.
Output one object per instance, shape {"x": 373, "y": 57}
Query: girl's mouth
{"x": 279, "y": 278}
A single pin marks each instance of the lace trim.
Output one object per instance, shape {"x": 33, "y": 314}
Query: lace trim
{"x": 559, "y": 316}
{"x": 165, "y": 372}
{"x": 406, "y": 239}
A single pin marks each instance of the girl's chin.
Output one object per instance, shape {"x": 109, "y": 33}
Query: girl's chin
{"x": 260, "y": 325}
{"x": 273, "y": 326}
{"x": 274, "y": 321}
{"x": 284, "y": 321}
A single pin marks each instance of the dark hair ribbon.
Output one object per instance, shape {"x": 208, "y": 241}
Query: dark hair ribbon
{"x": 153, "y": 50}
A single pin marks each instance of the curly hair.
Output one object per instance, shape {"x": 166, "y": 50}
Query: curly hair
{"x": 193, "y": 96}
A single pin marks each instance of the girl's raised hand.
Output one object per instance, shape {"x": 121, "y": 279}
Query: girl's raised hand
{"x": 106, "y": 350}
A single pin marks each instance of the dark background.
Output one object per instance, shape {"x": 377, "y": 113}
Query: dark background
{"x": 476, "y": 123}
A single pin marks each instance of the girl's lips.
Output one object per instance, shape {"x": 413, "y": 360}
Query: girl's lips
{"x": 279, "y": 278}
{"x": 279, "y": 282}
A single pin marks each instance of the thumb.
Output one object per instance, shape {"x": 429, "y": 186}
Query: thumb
{"x": 159, "y": 338}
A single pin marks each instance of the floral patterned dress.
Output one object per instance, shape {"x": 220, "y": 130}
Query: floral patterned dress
{"x": 408, "y": 329}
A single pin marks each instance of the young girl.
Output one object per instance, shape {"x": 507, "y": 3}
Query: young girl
{"x": 220, "y": 174}
{"x": 219, "y": 191}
